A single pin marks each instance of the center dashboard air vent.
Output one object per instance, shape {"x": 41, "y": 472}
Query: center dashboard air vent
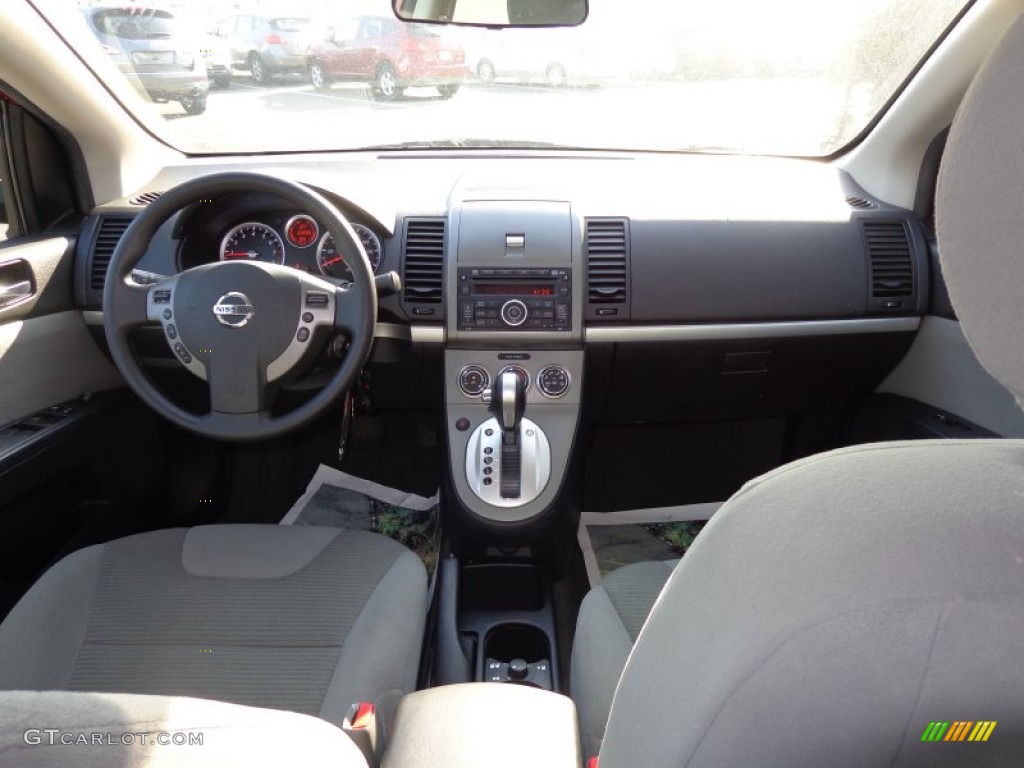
{"x": 606, "y": 250}
{"x": 891, "y": 260}
{"x": 108, "y": 235}
{"x": 423, "y": 263}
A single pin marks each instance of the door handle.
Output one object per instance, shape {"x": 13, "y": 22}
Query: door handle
{"x": 16, "y": 283}
{"x": 12, "y": 294}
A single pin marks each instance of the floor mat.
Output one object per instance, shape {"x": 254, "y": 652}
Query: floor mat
{"x": 610, "y": 540}
{"x": 340, "y": 500}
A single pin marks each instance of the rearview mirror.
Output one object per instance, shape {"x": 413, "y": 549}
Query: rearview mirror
{"x": 494, "y": 13}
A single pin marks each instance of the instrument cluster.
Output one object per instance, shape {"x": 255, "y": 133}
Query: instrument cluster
{"x": 296, "y": 240}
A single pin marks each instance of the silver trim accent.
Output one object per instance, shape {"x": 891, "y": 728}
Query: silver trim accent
{"x": 323, "y": 317}
{"x": 526, "y": 313}
{"x": 521, "y": 369}
{"x": 487, "y": 380}
{"x": 508, "y": 400}
{"x": 155, "y": 313}
{"x": 288, "y": 225}
{"x": 419, "y": 334}
{"x": 540, "y": 380}
{"x": 261, "y": 225}
{"x": 245, "y": 310}
{"x": 359, "y": 229}
{"x": 535, "y": 463}
{"x": 730, "y": 331}
{"x": 434, "y": 334}
{"x": 320, "y": 256}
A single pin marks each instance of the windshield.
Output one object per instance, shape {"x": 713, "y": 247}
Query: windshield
{"x": 786, "y": 77}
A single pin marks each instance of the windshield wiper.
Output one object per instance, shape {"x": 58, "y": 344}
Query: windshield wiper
{"x": 469, "y": 144}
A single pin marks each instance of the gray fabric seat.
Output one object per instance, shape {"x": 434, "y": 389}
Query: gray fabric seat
{"x": 837, "y": 608}
{"x": 297, "y": 618}
{"x": 99, "y": 730}
{"x": 610, "y": 619}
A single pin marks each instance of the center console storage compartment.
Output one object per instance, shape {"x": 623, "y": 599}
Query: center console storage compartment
{"x": 479, "y": 725}
{"x": 502, "y": 625}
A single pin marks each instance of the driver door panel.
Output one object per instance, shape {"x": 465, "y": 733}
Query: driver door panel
{"x": 47, "y": 355}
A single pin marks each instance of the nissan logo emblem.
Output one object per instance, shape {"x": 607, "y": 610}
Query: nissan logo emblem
{"x": 233, "y": 309}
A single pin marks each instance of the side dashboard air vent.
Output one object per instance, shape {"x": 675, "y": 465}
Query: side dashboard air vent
{"x": 423, "y": 260}
{"x": 860, "y": 203}
{"x": 891, "y": 261}
{"x": 145, "y": 198}
{"x": 606, "y": 249}
{"x": 108, "y": 235}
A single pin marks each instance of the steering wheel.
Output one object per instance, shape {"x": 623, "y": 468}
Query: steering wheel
{"x": 243, "y": 327}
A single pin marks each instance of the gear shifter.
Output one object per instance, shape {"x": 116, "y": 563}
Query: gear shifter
{"x": 508, "y": 402}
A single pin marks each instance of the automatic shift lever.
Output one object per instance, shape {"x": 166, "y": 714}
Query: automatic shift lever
{"x": 508, "y": 401}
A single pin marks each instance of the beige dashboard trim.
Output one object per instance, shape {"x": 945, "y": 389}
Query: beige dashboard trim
{"x": 434, "y": 334}
{"x": 732, "y": 331}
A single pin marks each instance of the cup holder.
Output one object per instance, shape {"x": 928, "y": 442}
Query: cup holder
{"x": 518, "y": 653}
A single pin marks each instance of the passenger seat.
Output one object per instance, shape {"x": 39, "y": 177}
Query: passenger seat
{"x": 610, "y": 619}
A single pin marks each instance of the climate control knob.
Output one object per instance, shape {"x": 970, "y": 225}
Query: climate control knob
{"x": 553, "y": 381}
{"x": 473, "y": 380}
{"x": 513, "y": 312}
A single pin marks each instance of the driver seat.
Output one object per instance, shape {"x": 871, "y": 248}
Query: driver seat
{"x": 306, "y": 619}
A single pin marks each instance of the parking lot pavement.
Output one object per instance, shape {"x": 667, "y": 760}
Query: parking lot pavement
{"x": 291, "y": 114}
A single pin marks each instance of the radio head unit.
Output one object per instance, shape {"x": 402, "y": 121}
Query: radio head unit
{"x": 528, "y": 299}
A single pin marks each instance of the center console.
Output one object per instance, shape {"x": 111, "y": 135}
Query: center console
{"x": 513, "y": 368}
{"x": 514, "y": 359}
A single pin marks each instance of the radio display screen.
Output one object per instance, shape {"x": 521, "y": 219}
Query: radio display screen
{"x": 513, "y": 289}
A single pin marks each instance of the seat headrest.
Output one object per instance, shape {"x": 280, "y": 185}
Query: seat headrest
{"x": 980, "y": 212}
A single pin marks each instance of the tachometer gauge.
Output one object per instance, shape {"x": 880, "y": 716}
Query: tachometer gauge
{"x": 371, "y": 244}
{"x": 332, "y": 263}
{"x": 301, "y": 231}
{"x": 252, "y": 242}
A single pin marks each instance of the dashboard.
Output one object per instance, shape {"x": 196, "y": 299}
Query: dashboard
{"x": 698, "y": 287}
{"x": 621, "y": 291}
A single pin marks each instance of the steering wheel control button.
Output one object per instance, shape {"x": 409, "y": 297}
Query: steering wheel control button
{"x": 172, "y": 332}
{"x": 316, "y": 299}
{"x": 168, "y": 314}
{"x": 307, "y": 317}
{"x": 553, "y": 381}
{"x": 303, "y": 334}
{"x": 179, "y": 348}
{"x": 473, "y": 380}
{"x": 513, "y": 312}
{"x": 462, "y": 424}
{"x": 162, "y": 296}
{"x": 232, "y": 309}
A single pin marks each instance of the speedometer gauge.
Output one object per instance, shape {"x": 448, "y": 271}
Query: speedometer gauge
{"x": 252, "y": 242}
{"x": 332, "y": 263}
